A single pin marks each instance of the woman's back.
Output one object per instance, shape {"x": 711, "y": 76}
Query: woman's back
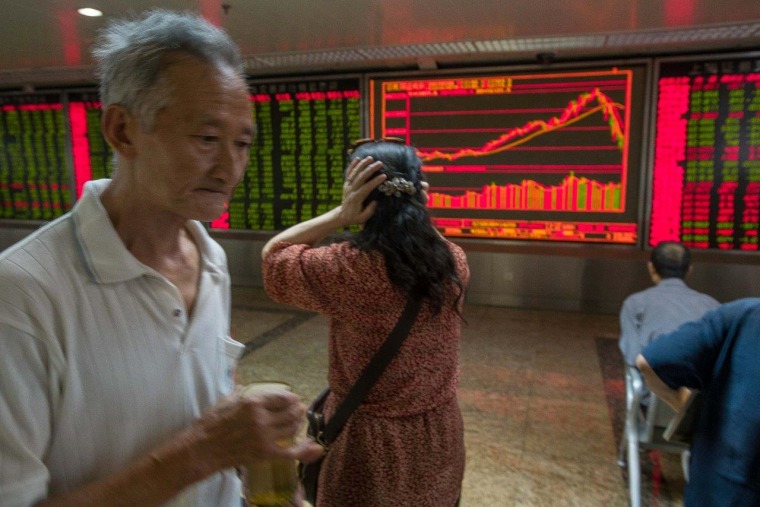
{"x": 350, "y": 286}
{"x": 404, "y": 444}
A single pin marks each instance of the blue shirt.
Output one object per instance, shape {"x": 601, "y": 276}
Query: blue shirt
{"x": 658, "y": 310}
{"x": 720, "y": 356}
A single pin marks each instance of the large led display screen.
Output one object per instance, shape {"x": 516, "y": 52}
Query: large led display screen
{"x": 541, "y": 155}
{"x": 295, "y": 171}
{"x": 706, "y": 168}
{"x": 34, "y": 179}
{"x": 92, "y": 156}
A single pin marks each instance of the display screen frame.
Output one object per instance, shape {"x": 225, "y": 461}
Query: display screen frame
{"x": 547, "y": 246}
{"x": 702, "y": 254}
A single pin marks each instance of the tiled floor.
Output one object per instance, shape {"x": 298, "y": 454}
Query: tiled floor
{"x": 541, "y": 393}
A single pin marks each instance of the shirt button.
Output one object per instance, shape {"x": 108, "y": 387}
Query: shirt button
{"x": 177, "y": 312}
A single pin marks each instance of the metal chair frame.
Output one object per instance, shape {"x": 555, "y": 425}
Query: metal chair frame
{"x": 642, "y": 432}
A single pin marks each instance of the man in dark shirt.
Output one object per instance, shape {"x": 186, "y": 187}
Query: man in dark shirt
{"x": 717, "y": 355}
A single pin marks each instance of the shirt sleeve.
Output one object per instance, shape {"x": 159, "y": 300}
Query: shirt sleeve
{"x": 630, "y": 328}
{"x": 686, "y": 357}
{"x": 25, "y": 417}
{"x": 308, "y": 277}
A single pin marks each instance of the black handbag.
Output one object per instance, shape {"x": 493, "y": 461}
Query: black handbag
{"x": 325, "y": 434}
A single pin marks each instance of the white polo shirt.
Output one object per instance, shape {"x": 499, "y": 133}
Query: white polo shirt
{"x": 98, "y": 360}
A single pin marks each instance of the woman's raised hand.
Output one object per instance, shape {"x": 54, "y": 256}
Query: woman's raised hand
{"x": 362, "y": 178}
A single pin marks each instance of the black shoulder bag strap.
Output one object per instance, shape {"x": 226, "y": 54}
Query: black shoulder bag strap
{"x": 374, "y": 369}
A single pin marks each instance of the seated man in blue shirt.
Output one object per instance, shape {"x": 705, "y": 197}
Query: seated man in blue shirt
{"x": 657, "y": 310}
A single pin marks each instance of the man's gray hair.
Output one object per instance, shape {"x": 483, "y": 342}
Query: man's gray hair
{"x": 132, "y": 57}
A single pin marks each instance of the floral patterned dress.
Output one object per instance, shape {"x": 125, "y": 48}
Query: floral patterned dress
{"x": 404, "y": 445}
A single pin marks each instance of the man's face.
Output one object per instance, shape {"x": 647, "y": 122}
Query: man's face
{"x": 197, "y": 151}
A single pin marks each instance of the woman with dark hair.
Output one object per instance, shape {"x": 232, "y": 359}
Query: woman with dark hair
{"x": 404, "y": 444}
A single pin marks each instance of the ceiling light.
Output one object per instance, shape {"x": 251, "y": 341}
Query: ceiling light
{"x": 87, "y": 11}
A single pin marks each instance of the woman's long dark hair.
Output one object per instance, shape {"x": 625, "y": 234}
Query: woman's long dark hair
{"x": 416, "y": 256}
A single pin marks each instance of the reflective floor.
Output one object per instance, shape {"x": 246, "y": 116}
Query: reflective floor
{"x": 541, "y": 393}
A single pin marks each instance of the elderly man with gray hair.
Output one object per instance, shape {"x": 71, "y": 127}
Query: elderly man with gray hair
{"x": 116, "y": 364}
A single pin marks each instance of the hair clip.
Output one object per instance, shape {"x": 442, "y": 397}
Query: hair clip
{"x": 396, "y": 186}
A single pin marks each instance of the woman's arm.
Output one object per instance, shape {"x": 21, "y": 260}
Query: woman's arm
{"x": 361, "y": 180}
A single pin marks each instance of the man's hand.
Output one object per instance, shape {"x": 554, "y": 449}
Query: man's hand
{"x": 242, "y": 429}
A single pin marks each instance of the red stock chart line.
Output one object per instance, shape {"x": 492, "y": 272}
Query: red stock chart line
{"x": 549, "y": 149}
{"x": 587, "y": 104}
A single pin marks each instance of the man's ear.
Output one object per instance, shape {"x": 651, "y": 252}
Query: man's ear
{"x": 653, "y": 273}
{"x": 119, "y": 128}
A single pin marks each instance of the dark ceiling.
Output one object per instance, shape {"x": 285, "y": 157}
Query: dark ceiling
{"x": 46, "y": 40}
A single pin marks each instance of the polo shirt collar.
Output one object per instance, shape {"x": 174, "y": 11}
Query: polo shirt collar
{"x": 672, "y": 281}
{"x": 108, "y": 259}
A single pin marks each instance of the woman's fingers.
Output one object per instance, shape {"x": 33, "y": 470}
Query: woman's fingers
{"x": 351, "y": 170}
{"x": 364, "y": 170}
{"x": 358, "y": 175}
{"x": 362, "y": 177}
{"x": 425, "y": 191}
{"x": 357, "y": 171}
